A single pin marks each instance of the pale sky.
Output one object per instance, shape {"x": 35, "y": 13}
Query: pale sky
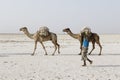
{"x": 102, "y": 16}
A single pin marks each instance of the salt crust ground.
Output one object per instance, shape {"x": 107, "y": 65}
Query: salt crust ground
{"x": 16, "y": 62}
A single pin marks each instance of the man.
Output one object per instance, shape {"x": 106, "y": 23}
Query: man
{"x": 85, "y": 36}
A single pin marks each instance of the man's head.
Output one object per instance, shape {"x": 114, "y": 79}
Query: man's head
{"x": 86, "y": 30}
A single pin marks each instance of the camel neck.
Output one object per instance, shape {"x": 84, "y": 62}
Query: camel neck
{"x": 29, "y": 35}
{"x": 76, "y": 36}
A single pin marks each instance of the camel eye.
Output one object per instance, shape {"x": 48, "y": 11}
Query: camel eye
{"x": 66, "y": 31}
{"x": 23, "y": 29}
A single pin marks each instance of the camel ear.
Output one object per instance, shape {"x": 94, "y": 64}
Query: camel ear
{"x": 67, "y": 28}
{"x": 24, "y": 27}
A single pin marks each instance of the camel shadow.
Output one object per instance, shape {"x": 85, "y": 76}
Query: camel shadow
{"x": 9, "y": 54}
{"x": 106, "y": 54}
{"x": 115, "y": 54}
{"x": 68, "y": 55}
{"x": 106, "y": 66}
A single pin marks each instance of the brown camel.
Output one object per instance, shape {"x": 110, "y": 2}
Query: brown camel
{"x": 37, "y": 38}
{"x": 94, "y": 39}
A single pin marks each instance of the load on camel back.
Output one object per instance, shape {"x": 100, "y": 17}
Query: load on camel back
{"x": 44, "y": 31}
{"x": 86, "y": 29}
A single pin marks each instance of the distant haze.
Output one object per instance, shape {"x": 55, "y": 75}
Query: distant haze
{"x": 102, "y": 16}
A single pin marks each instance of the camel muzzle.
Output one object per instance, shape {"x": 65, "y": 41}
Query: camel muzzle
{"x": 63, "y": 30}
{"x": 20, "y": 29}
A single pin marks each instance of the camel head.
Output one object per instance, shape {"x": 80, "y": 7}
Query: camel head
{"x": 66, "y": 30}
{"x": 24, "y": 29}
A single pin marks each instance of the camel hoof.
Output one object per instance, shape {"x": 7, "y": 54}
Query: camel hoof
{"x": 83, "y": 65}
{"x": 89, "y": 54}
{"x": 79, "y": 54}
{"x": 91, "y": 62}
{"x": 99, "y": 54}
{"x": 32, "y": 54}
{"x": 46, "y": 54}
{"x": 52, "y": 54}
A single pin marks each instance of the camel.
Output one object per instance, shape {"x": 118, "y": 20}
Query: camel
{"x": 37, "y": 38}
{"x": 94, "y": 39}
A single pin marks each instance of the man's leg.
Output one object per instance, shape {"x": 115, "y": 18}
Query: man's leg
{"x": 84, "y": 56}
{"x": 84, "y": 63}
{"x": 90, "y": 61}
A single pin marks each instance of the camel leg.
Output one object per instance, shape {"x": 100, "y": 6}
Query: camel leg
{"x": 35, "y": 47}
{"x": 80, "y": 49}
{"x": 93, "y": 44}
{"x": 100, "y": 47}
{"x": 58, "y": 47}
{"x": 44, "y": 48}
{"x": 55, "y": 48}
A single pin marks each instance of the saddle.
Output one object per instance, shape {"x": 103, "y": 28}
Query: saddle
{"x": 44, "y": 31}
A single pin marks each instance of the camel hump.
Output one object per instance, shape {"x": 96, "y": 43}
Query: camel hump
{"x": 86, "y": 29}
{"x": 44, "y": 31}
